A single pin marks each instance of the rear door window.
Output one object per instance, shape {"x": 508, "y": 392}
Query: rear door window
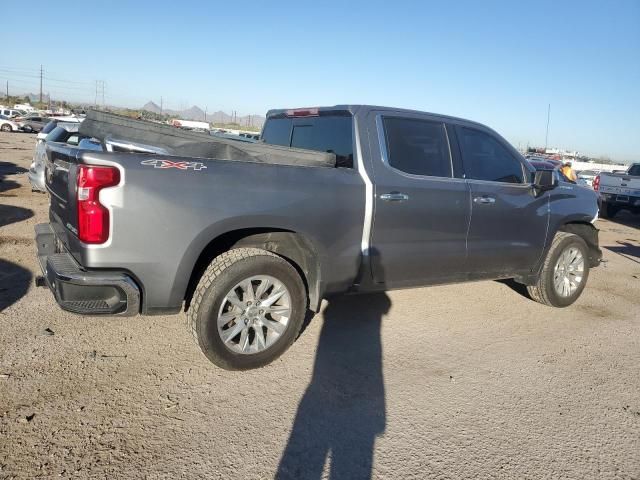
{"x": 418, "y": 147}
{"x": 325, "y": 133}
{"x": 485, "y": 158}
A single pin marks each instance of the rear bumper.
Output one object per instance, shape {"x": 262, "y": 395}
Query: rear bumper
{"x": 620, "y": 200}
{"x": 79, "y": 291}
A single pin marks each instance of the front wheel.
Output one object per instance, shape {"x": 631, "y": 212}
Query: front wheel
{"x": 565, "y": 272}
{"x": 247, "y": 309}
{"x": 6, "y": 127}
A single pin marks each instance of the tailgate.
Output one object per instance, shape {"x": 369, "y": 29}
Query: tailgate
{"x": 620, "y": 184}
{"x": 60, "y": 179}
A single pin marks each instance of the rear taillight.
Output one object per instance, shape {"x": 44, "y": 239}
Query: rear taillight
{"x": 596, "y": 183}
{"x": 93, "y": 218}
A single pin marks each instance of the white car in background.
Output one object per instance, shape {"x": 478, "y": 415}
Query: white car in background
{"x": 8, "y": 125}
{"x": 586, "y": 177}
{"x": 12, "y": 112}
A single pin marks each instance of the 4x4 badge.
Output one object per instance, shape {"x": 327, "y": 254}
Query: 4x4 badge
{"x": 171, "y": 164}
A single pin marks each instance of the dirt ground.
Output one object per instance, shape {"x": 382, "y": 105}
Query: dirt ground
{"x": 460, "y": 381}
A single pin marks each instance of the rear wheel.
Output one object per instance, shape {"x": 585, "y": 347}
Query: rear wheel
{"x": 247, "y": 308}
{"x": 608, "y": 211}
{"x": 27, "y": 128}
{"x": 565, "y": 272}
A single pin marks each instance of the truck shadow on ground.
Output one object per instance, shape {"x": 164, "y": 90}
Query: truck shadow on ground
{"x": 343, "y": 409}
{"x": 14, "y": 283}
{"x": 516, "y": 287}
{"x": 10, "y": 214}
{"x": 627, "y": 219}
{"x": 7, "y": 169}
{"x": 627, "y": 250}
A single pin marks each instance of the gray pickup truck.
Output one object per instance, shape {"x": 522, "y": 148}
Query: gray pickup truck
{"x": 245, "y": 245}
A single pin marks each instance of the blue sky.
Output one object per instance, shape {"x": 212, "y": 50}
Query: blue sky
{"x": 497, "y": 62}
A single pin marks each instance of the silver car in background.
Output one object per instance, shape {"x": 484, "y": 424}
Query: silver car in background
{"x": 586, "y": 177}
{"x": 62, "y": 132}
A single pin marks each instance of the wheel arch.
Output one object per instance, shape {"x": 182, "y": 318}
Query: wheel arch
{"x": 589, "y": 233}
{"x": 584, "y": 229}
{"x": 294, "y": 247}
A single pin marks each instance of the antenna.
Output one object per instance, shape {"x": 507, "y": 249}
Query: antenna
{"x": 546, "y": 138}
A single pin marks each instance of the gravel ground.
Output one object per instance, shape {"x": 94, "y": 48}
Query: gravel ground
{"x": 472, "y": 381}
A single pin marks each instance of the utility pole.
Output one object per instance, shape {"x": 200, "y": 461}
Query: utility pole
{"x": 95, "y": 101}
{"x": 41, "y": 72}
{"x": 7, "y": 90}
{"x": 160, "y": 105}
{"x": 205, "y": 113}
{"x": 546, "y": 138}
{"x": 103, "y": 106}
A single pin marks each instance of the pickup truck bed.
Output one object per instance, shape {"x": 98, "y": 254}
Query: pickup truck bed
{"x": 167, "y": 140}
{"x": 246, "y": 244}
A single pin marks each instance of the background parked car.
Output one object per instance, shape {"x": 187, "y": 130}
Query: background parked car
{"x": 33, "y": 124}
{"x": 53, "y": 123}
{"x": 62, "y": 133}
{"x": 586, "y": 177}
{"x": 12, "y": 112}
{"x": 8, "y": 125}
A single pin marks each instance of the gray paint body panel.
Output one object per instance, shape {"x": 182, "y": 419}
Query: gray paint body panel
{"x": 162, "y": 219}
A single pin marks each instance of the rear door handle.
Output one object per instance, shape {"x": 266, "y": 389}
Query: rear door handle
{"x": 394, "y": 197}
{"x": 484, "y": 199}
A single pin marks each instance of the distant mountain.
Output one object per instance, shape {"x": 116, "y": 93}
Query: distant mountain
{"x": 151, "y": 107}
{"x": 33, "y": 97}
{"x": 196, "y": 113}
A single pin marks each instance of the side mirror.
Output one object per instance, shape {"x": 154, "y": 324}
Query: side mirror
{"x": 544, "y": 180}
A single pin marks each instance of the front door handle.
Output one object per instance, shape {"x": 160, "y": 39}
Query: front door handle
{"x": 484, "y": 199}
{"x": 394, "y": 197}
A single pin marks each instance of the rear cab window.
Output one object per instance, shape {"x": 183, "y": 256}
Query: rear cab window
{"x": 634, "y": 170}
{"x": 417, "y": 147}
{"x": 328, "y": 131}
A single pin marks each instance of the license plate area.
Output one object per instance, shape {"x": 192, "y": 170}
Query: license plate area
{"x": 622, "y": 198}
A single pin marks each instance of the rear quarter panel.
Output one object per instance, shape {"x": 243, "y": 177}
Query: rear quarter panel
{"x": 163, "y": 218}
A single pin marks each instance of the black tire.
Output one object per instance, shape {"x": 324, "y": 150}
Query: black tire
{"x": 6, "y": 128}
{"x": 27, "y": 129}
{"x": 543, "y": 291}
{"x": 608, "y": 211}
{"x": 226, "y": 271}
